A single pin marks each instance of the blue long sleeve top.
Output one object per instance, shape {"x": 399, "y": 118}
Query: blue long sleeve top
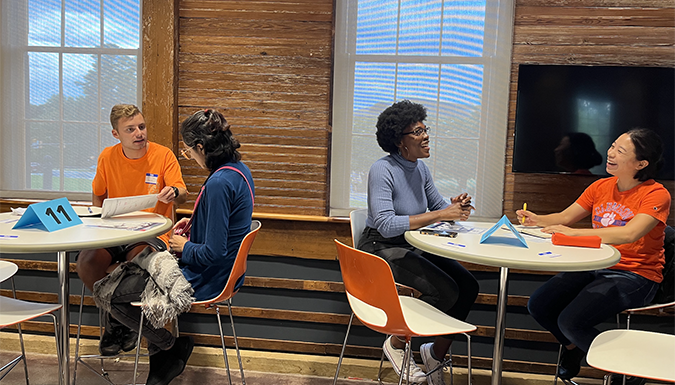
{"x": 397, "y": 189}
{"x": 220, "y": 222}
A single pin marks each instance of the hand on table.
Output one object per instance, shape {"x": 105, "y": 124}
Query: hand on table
{"x": 558, "y": 229}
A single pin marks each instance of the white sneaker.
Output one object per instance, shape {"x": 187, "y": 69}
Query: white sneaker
{"x": 430, "y": 363}
{"x": 395, "y": 356}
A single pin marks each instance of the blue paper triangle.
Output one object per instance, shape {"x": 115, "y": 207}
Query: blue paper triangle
{"x": 51, "y": 215}
{"x": 504, "y": 221}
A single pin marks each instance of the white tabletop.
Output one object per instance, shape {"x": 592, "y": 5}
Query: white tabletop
{"x": 89, "y": 235}
{"x": 502, "y": 249}
{"x": 634, "y": 353}
{"x": 7, "y": 270}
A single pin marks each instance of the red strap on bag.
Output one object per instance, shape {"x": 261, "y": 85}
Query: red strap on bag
{"x": 584, "y": 241}
{"x": 186, "y": 229}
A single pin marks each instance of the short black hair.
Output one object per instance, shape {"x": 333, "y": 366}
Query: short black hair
{"x": 394, "y": 120}
{"x": 210, "y": 129}
{"x": 649, "y": 147}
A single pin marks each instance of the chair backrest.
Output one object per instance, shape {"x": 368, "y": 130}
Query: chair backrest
{"x": 368, "y": 278}
{"x": 238, "y": 269}
{"x": 357, "y": 220}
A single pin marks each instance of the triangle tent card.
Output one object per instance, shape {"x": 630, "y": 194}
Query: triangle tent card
{"x": 504, "y": 221}
{"x": 52, "y": 215}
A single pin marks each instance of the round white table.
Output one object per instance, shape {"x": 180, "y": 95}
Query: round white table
{"x": 502, "y": 249}
{"x": 93, "y": 233}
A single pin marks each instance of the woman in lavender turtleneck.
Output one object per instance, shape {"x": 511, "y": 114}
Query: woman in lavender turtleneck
{"x": 402, "y": 197}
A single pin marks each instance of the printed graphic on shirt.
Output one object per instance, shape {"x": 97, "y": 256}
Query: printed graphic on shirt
{"x": 611, "y": 214}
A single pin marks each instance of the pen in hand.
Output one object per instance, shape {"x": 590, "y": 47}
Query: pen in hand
{"x": 522, "y": 219}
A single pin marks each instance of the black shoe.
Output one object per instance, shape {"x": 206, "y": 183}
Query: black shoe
{"x": 617, "y": 379}
{"x": 570, "y": 363}
{"x": 128, "y": 340}
{"x": 109, "y": 344}
{"x": 117, "y": 338}
{"x": 169, "y": 364}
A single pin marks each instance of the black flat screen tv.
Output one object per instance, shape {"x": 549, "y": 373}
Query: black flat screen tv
{"x": 562, "y": 112}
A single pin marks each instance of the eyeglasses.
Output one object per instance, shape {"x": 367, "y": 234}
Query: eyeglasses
{"x": 185, "y": 151}
{"x": 419, "y": 131}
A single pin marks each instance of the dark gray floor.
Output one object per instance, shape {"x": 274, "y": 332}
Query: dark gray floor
{"x": 43, "y": 370}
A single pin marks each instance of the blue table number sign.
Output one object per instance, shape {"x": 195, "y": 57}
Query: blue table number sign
{"x": 503, "y": 222}
{"x": 51, "y": 216}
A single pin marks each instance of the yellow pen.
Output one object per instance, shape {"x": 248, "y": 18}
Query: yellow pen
{"x": 522, "y": 220}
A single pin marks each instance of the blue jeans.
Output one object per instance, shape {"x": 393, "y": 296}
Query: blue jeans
{"x": 571, "y": 305}
{"x": 444, "y": 283}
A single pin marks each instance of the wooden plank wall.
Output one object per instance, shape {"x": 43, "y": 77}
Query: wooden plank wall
{"x": 267, "y": 65}
{"x": 581, "y": 32}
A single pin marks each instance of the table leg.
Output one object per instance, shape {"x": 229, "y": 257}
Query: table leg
{"x": 64, "y": 318}
{"x": 502, "y": 295}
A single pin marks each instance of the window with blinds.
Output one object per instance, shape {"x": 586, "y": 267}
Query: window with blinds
{"x": 451, "y": 56}
{"x": 65, "y": 63}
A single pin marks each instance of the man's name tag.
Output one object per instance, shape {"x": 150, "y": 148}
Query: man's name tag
{"x": 151, "y": 178}
{"x": 52, "y": 215}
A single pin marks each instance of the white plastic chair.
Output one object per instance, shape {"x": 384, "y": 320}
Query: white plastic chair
{"x": 634, "y": 353}
{"x": 14, "y": 311}
{"x": 357, "y": 222}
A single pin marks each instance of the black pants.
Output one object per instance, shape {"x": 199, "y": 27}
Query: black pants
{"x": 444, "y": 283}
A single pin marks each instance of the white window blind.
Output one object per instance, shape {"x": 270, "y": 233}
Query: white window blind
{"x": 64, "y": 64}
{"x": 454, "y": 57}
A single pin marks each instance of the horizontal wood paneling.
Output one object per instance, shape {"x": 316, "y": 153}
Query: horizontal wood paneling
{"x": 267, "y": 65}
{"x": 581, "y": 32}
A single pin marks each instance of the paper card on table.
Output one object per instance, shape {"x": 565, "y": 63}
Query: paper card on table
{"x": 503, "y": 222}
{"x": 52, "y": 215}
{"x": 116, "y": 206}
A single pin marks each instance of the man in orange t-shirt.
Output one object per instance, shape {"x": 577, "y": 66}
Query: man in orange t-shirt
{"x": 134, "y": 166}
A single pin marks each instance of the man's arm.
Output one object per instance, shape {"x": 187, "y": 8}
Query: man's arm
{"x": 97, "y": 200}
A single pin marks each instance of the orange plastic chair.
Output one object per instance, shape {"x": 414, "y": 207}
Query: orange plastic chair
{"x": 224, "y": 298}
{"x": 372, "y": 295}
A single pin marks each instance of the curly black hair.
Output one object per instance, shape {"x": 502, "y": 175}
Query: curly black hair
{"x": 649, "y": 147}
{"x": 394, "y": 120}
{"x": 210, "y": 129}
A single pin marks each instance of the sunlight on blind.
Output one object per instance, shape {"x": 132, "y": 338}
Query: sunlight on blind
{"x": 71, "y": 61}
{"x": 433, "y": 53}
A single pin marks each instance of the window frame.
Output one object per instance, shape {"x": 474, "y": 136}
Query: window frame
{"x": 14, "y": 70}
{"x": 497, "y": 45}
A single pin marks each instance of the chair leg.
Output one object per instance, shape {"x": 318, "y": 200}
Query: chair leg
{"x": 138, "y": 348}
{"x": 18, "y": 328}
{"x": 468, "y": 350}
{"x": 342, "y": 352}
{"x": 77, "y": 338}
{"x": 607, "y": 380}
{"x": 58, "y": 346}
{"x": 379, "y": 372}
{"x": 236, "y": 343}
{"x": 222, "y": 342}
{"x": 557, "y": 363}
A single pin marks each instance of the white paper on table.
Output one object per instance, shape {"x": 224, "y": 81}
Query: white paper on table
{"x": 117, "y": 206}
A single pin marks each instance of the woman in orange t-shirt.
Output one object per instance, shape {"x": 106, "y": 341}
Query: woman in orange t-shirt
{"x": 629, "y": 211}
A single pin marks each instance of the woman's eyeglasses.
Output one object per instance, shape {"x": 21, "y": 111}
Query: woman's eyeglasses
{"x": 185, "y": 151}
{"x": 418, "y": 131}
